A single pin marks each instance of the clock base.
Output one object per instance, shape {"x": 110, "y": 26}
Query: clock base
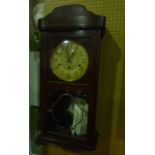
{"x": 76, "y": 144}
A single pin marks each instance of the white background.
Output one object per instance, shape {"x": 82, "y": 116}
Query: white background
{"x": 140, "y": 77}
{"x": 14, "y": 77}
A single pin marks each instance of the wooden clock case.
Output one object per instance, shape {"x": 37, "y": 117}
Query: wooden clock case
{"x": 76, "y": 23}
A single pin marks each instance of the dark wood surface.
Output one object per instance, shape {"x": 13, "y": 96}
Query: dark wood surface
{"x": 71, "y": 16}
{"x": 72, "y": 22}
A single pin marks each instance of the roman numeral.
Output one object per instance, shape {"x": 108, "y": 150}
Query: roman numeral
{"x": 68, "y": 76}
{"x": 84, "y": 60}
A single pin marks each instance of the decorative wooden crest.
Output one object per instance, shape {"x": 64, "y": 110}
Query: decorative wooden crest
{"x": 71, "y": 17}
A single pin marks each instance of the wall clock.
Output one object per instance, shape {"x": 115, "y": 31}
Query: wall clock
{"x": 69, "y": 64}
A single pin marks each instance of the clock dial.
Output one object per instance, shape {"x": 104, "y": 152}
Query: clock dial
{"x": 69, "y": 61}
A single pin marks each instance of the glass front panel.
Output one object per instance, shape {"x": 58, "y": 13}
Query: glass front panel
{"x": 68, "y": 113}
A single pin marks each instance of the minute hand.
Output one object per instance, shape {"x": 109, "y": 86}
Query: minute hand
{"x": 72, "y": 52}
{"x": 72, "y": 55}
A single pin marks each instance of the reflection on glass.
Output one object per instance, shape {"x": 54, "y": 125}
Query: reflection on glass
{"x": 79, "y": 110}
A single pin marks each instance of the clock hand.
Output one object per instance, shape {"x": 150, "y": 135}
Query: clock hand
{"x": 67, "y": 53}
{"x": 80, "y": 66}
{"x": 72, "y": 53}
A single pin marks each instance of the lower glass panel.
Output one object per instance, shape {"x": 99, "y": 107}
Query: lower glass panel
{"x": 67, "y": 113}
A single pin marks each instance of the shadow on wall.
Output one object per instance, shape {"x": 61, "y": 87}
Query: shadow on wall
{"x": 110, "y": 56}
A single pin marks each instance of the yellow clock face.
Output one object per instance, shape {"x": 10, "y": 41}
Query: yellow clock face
{"x": 69, "y": 61}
